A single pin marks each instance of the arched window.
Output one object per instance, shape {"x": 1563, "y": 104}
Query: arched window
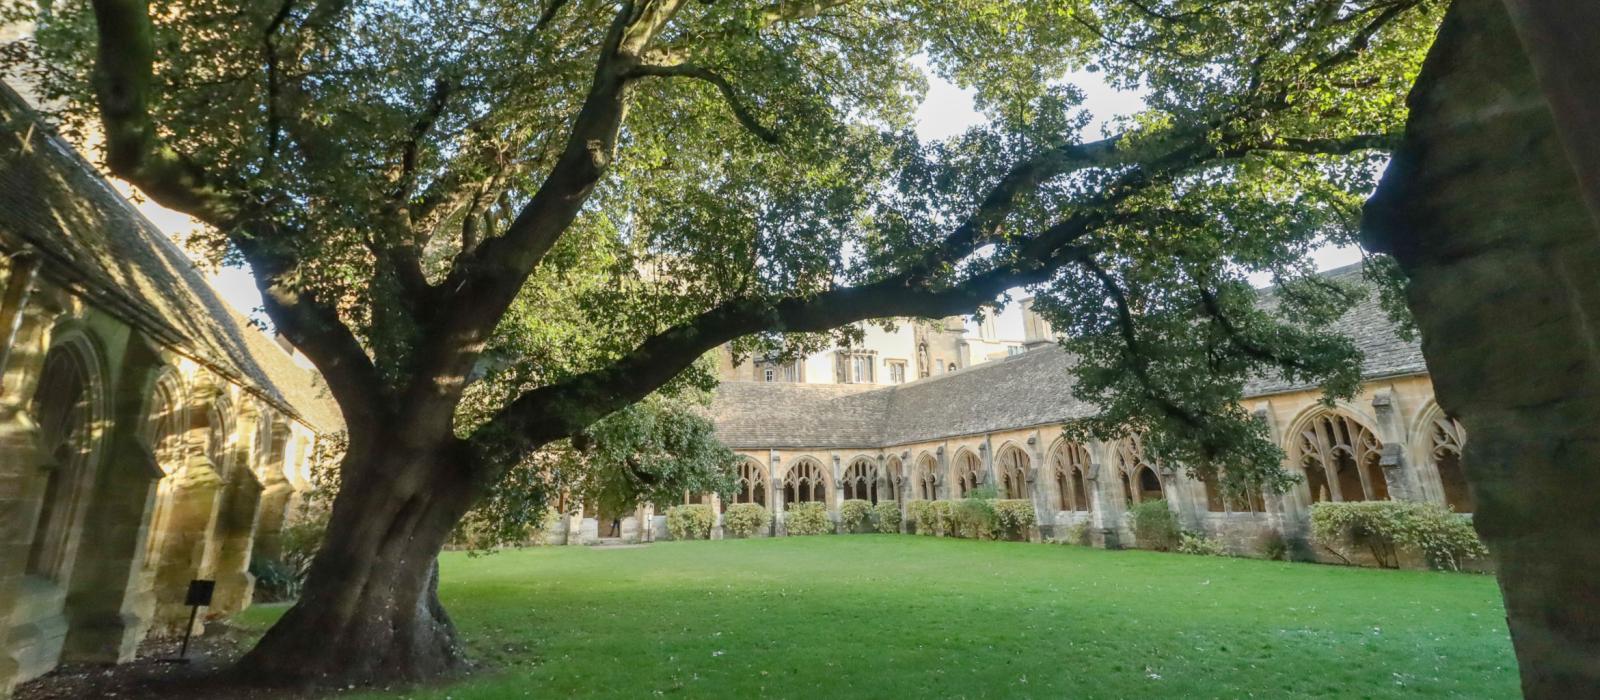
{"x": 1214, "y": 501}
{"x": 752, "y": 485}
{"x": 895, "y": 475}
{"x": 219, "y": 428}
{"x": 1013, "y": 467}
{"x": 926, "y": 481}
{"x": 805, "y": 483}
{"x": 1340, "y": 459}
{"x": 1138, "y": 478}
{"x": 861, "y": 481}
{"x": 1448, "y": 439}
{"x": 163, "y": 433}
{"x": 1149, "y": 485}
{"x": 968, "y": 473}
{"x": 64, "y": 406}
{"x": 1070, "y": 462}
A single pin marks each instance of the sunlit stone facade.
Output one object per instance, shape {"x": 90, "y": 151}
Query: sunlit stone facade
{"x": 148, "y": 435}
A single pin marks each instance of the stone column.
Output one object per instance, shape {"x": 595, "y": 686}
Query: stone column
{"x": 185, "y": 517}
{"x": 233, "y": 540}
{"x": 110, "y": 598}
{"x": 1041, "y": 487}
{"x": 1107, "y": 516}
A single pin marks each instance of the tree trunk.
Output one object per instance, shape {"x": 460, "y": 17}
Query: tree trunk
{"x": 369, "y": 612}
{"x": 1483, "y": 211}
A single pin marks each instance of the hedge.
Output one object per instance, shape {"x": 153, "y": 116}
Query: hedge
{"x": 746, "y": 519}
{"x": 691, "y": 522}
{"x": 806, "y": 519}
{"x": 853, "y": 514}
{"x": 1154, "y": 526}
{"x": 887, "y": 515}
{"x": 1445, "y": 539}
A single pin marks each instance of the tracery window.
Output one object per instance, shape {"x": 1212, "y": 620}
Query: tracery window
{"x": 855, "y": 367}
{"x": 805, "y": 483}
{"x": 62, "y": 405}
{"x": 1013, "y": 468}
{"x": 926, "y": 481}
{"x": 1070, "y": 462}
{"x": 968, "y": 473}
{"x": 752, "y": 485}
{"x": 1448, "y": 438}
{"x": 1340, "y": 459}
{"x": 1137, "y": 476}
{"x": 861, "y": 481}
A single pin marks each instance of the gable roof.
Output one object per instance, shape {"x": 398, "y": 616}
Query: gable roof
{"x": 1030, "y": 389}
{"x": 95, "y": 243}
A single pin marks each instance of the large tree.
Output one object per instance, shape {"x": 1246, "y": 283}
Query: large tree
{"x": 1492, "y": 209}
{"x": 400, "y": 174}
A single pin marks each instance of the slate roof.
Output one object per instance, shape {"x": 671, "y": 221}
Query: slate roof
{"x": 95, "y": 243}
{"x": 1030, "y": 389}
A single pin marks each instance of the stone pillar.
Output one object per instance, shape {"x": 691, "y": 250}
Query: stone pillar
{"x": 233, "y": 540}
{"x": 108, "y": 604}
{"x": 272, "y": 512}
{"x": 1106, "y": 521}
{"x": 19, "y": 504}
{"x": 941, "y": 479}
{"x": 185, "y": 516}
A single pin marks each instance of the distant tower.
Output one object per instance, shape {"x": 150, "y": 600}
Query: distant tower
{"x": 1035, "y": 330}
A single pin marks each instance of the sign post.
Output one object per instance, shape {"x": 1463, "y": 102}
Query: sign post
{"x": 199, "y": 595}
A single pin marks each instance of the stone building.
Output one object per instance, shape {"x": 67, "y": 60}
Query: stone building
{"x": 1000, "y": 423}
{"x": 910, "y": 350}
{"x": 148, "y": 434}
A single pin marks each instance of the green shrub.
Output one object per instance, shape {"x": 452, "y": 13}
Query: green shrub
{"x": 691, "y": 522}
{"x": 854, "y": 513}
{"x": 975, "y": 518}
{"x": 1154, "y": 526}
{"x": 746, "y": 519}
{"x": 931, "y": 517}
{"x": 887, "y": 516}
{"x": 806, "y": 519}
{"x": 1077, "y": 534}
{"x": 1198, "y": 543}
{"x": 280, "y": 579}
{"x": 1015, "y": 517}
{"x": 1443, "y": 538}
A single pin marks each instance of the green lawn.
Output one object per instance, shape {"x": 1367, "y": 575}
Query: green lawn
{"x": 878, "y": 615}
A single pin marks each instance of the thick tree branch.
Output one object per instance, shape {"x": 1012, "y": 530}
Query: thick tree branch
{"x": 134, "y": 151}
{"x": 689, "y": 70}
{"x": 1138, "y": 362}
{"x": 560, "y": 410}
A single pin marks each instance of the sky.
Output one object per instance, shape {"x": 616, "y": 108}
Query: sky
{"x": 947, "y": 110}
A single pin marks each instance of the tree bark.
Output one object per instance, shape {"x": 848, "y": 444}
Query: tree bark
{"x": 1483, "y": 210}
{"x": 369, "y": 612}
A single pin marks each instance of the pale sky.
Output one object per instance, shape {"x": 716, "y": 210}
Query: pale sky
{"x": 946, "y": 111}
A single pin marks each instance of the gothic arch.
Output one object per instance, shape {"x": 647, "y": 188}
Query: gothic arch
{"x": 1069, "y": 467}
{"x": 1441, "y": 440}
{"x": 69, "y": 407}
{"x": 860, "y": 480}
{"x": 894, "y": 474}
{"x": 966, "y": 472}
{"x": 1136, "y": 475}
{"x": 925, "y": 479}
{"x": 1338, "y": 454}
{"x": 751, "y": 486}
{"x": 805, "y": 482}
{"x": 1012, "y": 467}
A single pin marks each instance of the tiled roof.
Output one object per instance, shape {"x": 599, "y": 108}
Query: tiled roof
{"x": 1033, "y": 388}
{"x": 94, "y": 242}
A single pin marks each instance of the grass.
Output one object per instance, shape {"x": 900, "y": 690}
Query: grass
{"x": 883, "y": 615}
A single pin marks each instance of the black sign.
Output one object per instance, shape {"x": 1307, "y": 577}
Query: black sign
{"x": 200, "y": 592}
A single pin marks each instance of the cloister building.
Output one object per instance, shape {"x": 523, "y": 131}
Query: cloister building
{"x": 1001, "y": 423}
{"x": 148, "y": 434}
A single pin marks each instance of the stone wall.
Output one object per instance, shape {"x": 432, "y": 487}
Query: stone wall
{"x": 127, "y": 469}
{"x": 1395, "y": 427}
